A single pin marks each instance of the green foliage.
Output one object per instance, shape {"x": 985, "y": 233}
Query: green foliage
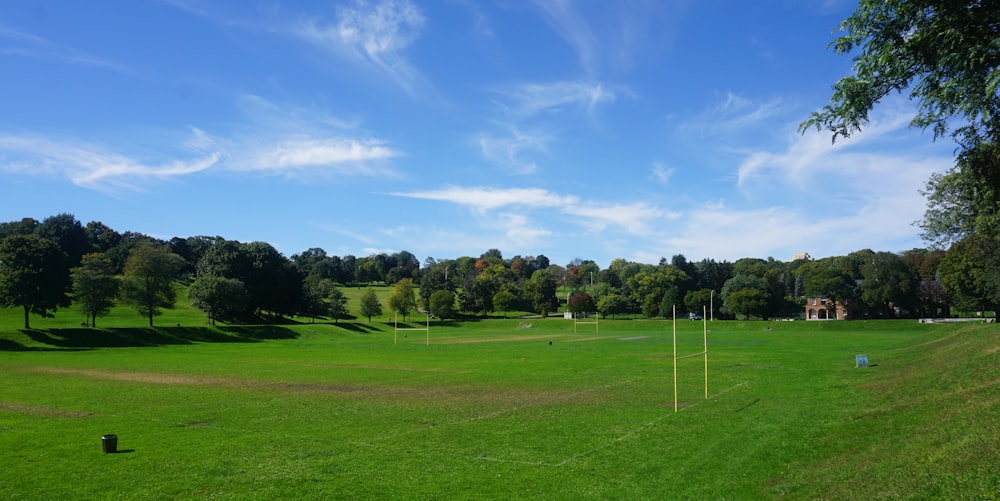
{"x": 745, "y": 294}
{"x": 442, "y": 304}
{"x": 946, "y": 54}
{"x": 337, "y": 304}
{"x": 503, "y": 301}
{"x": 370, "y": 305}
{"x": 540, "y": 291}
{"x": 970, "y": 272}
{"x": 403, "y": 298}
{"x": 219, "y": 297}
{"x": 95, "y": 286}
{"x": 612, "y": 304}
{"x": 580, "y": 303}
{"x": 148, "y": 285}
{"x": 34, "y": 275}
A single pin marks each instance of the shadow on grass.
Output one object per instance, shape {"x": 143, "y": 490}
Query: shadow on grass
{"x": 84, "y": 338}
{"x": 355, "y": 327}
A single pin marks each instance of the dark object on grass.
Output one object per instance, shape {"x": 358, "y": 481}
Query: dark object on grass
{"x": 109, "y": 444}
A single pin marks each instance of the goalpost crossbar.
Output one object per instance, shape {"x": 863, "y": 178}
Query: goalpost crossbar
{"x": 596, "y": 323}
{"x": 396, "y": 328}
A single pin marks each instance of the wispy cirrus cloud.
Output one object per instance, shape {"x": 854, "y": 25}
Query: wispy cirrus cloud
{"x": 91, "y": 166}
{"x": 734, "y": 113}
{"x": 523, "y": 111}
{"x": 634, "y": 218}
{"x": 513, "y": 149}
{"x": 292, "y": 143}
{"x": 374, "y": 35}
{"x": 18, "y": 43}
{"x": 485, "y": 198}
{"x": 530, "y": 100}
{"x": 573, "y": 28}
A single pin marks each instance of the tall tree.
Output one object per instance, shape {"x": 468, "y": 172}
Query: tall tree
{"x": 541, "y": 292}
{"x": 946, "y": 54}
{"x": 34, "y": 274}
{"x": 68, "y": 233}
{"x": 442, "y": 304}
{"x": 219, "y": 297}
{"x": 95, "y": 286}
{"x": 150, "y": 272}
{"x": 403, "y": 298}
{"x": 337, "y": 304}
{"x": 370, "y": 305}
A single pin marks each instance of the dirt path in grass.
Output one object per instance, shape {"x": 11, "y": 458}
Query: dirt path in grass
{"x": 37, "y": 410}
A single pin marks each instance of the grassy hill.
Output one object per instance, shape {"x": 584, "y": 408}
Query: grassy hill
{"x": 498, "y": 409}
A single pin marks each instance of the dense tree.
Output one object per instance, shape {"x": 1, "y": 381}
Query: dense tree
{"x": 442, "y": 304}
{"x": 612, "y": 304}
{"x": 889, "y": 285}
{"x": 370, "y": 305}
{"x": 68, "y": 234}
{"x": 101, "y": 237}
{"x": 745, "y": 294}
{"x": 95, "y": 286}
{"x": 219, "y": 297}
{"x": 700, "y": 301}
{"x": 432, "y": 279}
{"x": 26, "y": 226}
{"x": 970, "y": 272}
{"x": 540, "y": 291}
{"x": 747, "y": 302}
{"x": 504, "y": 301}
{"x": 148, "y": 285}
{"x": 826, "y": 279}
{"x": 34, "y": 274}
{"x": 337, "y": 304}
{"x": 403, "y": 299}
{"x": 946, "y": 54}
{"x": 580, "y": 303}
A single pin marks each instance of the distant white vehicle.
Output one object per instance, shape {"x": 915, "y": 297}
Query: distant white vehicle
{"x": 695, "y": 316}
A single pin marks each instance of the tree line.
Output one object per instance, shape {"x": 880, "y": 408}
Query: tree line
{"x": 51, "y": 264}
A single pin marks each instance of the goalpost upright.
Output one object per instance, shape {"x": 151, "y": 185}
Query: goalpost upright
{"x": 704, "y": 352}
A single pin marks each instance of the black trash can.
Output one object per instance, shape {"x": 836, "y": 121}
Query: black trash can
{"x": 109, "y": 444}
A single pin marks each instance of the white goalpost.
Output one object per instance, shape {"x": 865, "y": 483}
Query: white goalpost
{"x": 396, "y": 329}
{"x": 704, "y": 352}
{"x": 595, "y": 323}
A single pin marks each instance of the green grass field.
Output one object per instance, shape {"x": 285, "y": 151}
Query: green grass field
{"x": 492, "y": 410}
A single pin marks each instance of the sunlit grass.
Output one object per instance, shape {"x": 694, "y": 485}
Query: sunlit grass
{"x": 491, "y": 409}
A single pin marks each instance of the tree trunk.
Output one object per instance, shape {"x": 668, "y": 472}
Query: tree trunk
{"x": 26, "y": 326}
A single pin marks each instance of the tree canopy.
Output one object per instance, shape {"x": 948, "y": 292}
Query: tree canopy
{"x": 946, "y": 55}
{"x": 34, "y": 274}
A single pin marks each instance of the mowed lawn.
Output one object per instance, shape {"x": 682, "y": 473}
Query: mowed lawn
{"x": 501, "y": 409}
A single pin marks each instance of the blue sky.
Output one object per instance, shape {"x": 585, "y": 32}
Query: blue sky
{"x": 570, "y": 128}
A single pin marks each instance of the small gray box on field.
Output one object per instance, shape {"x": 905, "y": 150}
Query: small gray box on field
{"x": 860, "y": 361}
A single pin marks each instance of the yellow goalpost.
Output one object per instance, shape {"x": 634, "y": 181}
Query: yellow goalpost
{"x": 704, "y": 352}
{"x": 396, "y": 329}
{"x": 596, "y": 322}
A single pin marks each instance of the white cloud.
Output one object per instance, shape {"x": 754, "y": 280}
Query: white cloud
{"x": 735, "y": 113}
{"x": 319, "y": 152}
{"x": 529, "y": 100}
{"x": 572, "y": 27}
{"x": 661, "y": 174}
{"x": 90, "y": 166}
{"x": 484, "y": 199}
{"x": 636, "y": 218}
{"x": 374, "y": 35}
{"x": 510, "y": 151}
{"x": 28, "y": 45}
